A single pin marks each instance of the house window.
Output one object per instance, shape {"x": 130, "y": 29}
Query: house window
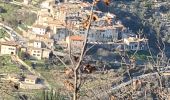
{"x": 38, "y": 51}
{"x": 34, "y": 51}
{"x": 11, "y": 48}
{"x": 38, "y": 54}
{"x": 136, "y": 45}
{"x": 34, "y": 54}
{"x": 129, "y": 47}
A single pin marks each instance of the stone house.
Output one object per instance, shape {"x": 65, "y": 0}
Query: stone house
{"x": 39, "y": 29}
{"x": 31, "y": 79}
{"x": 31, "y": 82}
{"x": 133, "y": 43}
{"x": 103, "y": 34}
{"x": 9, "y": 47}
{"x": 75, "y": 42}
{"x": 35, "y": 52}
{"x": 45, "y": 53}
{"x": 35, "y": 43}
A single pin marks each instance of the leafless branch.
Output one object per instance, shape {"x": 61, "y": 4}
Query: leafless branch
{"x": 81, "y": 56}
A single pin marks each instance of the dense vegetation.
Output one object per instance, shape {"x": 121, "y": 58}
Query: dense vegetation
{"x": 3, "y": 34}
{"x": 14, "y": 15}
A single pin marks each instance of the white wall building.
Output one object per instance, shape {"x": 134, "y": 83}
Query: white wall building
{"x": 35, "y": 44}
{"x": 31, "y": 79}
{"x": 133, "y": 43}
{"x": 8, "y": 48}
{"x": 103, "y": 34}
{"x": 35, "y": 52}
{"x": 39, "y": 29}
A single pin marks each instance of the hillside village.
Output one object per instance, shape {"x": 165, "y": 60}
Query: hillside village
{"x": 58, "y": 34}
{"x": 55, "y": 26}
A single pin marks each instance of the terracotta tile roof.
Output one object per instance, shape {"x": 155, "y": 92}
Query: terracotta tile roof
{"x": 9, "y": 43}
{"x": 103, "y": 28}
{"x": 39, "y": 26}
{"x": 42, "y": 36}
{"x": 34, "y": 48}
{"x": 33, "y": 40}
{"x": 31, "y": 77}
{"x": 76, "y": 38}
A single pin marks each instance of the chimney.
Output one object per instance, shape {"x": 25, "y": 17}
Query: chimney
{"x": 136, "y": 36}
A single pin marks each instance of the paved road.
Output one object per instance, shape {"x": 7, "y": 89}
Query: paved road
{"x": 16, "y": 36}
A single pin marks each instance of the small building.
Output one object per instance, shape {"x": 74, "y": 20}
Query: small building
{"x": 27, "y": 86}
{"x": 35, "y": 52}
{"x": 9, "y": 47}
{"x": 31, "y": 79}
{"x": 23, "y": 49}
{"x": 75, "y": 42}
{"x": 34, "y": 43}
{"x": 103, "y": 34}
{"x": 32, "y": 82}
{"x": 45, "y": 53}
{"x": 39, "y": 29}
{"x": 134, "y": 43}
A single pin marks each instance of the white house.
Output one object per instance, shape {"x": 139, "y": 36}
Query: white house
{"x": 45, "y": 53}
{"x": 9, "y": 47}
{"x": 35, "y": 44}
{"x": 35, "y": 52}
{"x": 31, "y": 79}
{"x": 75, "y": 42}
{"x": 133, "y": 43}
{"x": 39, "y": 29}
{"x": 103, "y": 34}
